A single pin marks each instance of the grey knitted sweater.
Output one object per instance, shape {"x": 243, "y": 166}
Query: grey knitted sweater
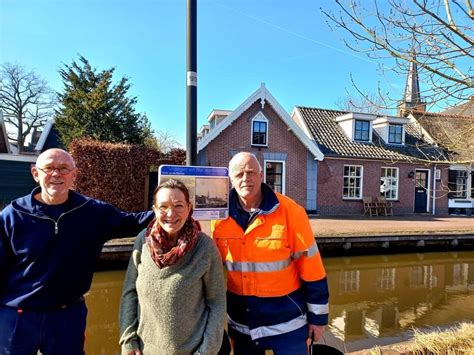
{"x": 179, "y": 309}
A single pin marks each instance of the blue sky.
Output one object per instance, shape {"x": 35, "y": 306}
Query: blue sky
{"x": 284, "y": 43}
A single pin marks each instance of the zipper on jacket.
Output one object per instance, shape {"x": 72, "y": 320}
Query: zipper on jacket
{"x": 56, "y": 227}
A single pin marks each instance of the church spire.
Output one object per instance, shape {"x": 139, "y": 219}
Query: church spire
{"x": 412, "y": 97}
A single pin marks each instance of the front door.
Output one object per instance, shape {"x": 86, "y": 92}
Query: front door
{"x": 421, "y": 191}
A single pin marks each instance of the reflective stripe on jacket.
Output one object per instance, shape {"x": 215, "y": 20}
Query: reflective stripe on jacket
{"x": 273, "y": 255}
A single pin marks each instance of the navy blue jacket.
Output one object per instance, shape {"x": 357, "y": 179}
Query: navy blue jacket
{"x": 48, "y": 262}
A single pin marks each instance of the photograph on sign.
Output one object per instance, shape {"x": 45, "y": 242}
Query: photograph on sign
{"x": 208, "y": 188}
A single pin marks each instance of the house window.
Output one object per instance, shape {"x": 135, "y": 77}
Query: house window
{"x": 350, "y": 281}
{"x": 352, "y": 182}
{"x": 395, "y": 133}
{"x": 389, "y": 183}
{"x": 212, "y": 124}
{"x": 386, "y": 279}
{"x": 457, "y": 183}
{"x": 275, "y": 175}
{"x": 260, "y": 130}
{"x": 422, "y": 277}
{"x": 362, "y": 130}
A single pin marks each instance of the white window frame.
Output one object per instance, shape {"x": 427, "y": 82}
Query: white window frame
{"x": 369, "y": 131}
{"x": 386, "y": 279}
{"x": 349, "y": 281}
{"x": 212, "y": 123}
{"x": 396, "y": 185}
{"x": 283, "y": 171}
{"x": 462, "y": 183}
{"x": 348, "y": 176}
{"x": 401, "y": 133}
{"x": 259, "y": 117}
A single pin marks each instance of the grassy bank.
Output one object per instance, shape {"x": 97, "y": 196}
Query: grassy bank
{"x": 454, "y": 341}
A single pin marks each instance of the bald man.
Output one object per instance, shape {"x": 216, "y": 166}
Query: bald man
{"x": 277, "y": 289}
{"x": 50, "y": 241}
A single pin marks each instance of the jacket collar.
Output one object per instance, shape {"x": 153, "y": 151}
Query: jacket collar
{"x": 269, "y": 204}
{"x": 29, "y": 204}
{"x": 269, "y": 200}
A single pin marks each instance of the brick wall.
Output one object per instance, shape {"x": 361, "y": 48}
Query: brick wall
{"x": 237, "y": 137}
{"x": 330, "y": 187}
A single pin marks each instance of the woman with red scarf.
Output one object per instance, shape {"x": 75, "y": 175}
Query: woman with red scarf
{"x": 173, "y": 300}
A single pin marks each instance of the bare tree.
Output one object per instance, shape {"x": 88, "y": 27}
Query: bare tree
{"x": 363, "y": 102}
{"x": 166, "y": 142}
{"x": 439, "y": 32}
{"x": 26, "y": 101}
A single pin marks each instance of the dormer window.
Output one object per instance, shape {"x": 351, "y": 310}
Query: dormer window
{"x": 391, "y": 129}
{"x": 259, "y": 130}
{"x": 395, "y": 133}
{"x": 362, "y": 130}
{"x": 212, "y": 123}
{"x": 357, "y": 126}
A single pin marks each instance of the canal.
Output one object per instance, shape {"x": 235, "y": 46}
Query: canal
{"x": 375, "y": 300}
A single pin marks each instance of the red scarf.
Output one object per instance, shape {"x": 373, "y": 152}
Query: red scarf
{"x": 162, "y": 251}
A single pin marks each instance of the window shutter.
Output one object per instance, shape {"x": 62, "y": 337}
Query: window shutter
{"x": 472, "y": 184}
{"x": 452, "y": 183}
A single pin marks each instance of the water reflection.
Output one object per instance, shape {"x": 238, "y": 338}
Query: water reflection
{"x": 103, "y": 301}
{"x": 374, "y": 299}
{"x": 379, "y": 299}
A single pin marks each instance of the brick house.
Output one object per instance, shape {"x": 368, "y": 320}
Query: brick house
{"x": 328, "y": 160}
{"x": 260, "y": 125}
{"x": 372, "y": 155}
{"x": 455, "y": 133}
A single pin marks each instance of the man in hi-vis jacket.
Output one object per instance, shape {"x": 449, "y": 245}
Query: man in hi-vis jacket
{"x": 277, "y": 289}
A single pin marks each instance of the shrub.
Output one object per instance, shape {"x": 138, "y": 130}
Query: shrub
{"x": 113, "y": 172}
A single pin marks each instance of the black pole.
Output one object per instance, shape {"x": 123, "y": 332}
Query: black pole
{"x": 191, "y": 84}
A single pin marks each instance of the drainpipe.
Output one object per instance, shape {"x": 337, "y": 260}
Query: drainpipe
{"x": 434, "y": 189}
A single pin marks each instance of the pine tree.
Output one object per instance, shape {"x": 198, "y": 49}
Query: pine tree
{"x": 92, "y": 106}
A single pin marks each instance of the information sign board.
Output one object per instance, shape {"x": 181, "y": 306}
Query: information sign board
{"x": 208, "y": 188}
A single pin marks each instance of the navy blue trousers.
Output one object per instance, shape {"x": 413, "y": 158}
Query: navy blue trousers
{"x": 61, "y": 331}
{"x": 293, "y": 344}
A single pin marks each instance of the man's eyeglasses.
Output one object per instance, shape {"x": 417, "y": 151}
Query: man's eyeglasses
{"x": 179, "y": 208}
{"x": 50, "y": 170}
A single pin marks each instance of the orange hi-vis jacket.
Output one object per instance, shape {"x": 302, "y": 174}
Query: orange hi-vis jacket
{"x": 273, "y": 255}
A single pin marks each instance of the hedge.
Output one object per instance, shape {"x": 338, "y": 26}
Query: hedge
{"x": 118, "y": 173}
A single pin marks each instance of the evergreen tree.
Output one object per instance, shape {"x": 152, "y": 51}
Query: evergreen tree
{"x": 92, "y": 106}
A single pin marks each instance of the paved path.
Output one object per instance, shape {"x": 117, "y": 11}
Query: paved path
{"x": 360, "y": 226}
{"x": 397, "y": 225}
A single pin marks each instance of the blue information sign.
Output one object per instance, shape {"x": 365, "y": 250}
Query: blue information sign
{"x": 208, "y": 188}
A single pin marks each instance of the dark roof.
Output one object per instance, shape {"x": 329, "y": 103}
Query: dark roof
{"x": 453, "y": 132}
{"x": 333, "y": 142}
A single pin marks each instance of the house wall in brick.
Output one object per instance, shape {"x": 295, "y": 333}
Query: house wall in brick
{"x": 330, "y": 187}
{"x": 237, "y": 137}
